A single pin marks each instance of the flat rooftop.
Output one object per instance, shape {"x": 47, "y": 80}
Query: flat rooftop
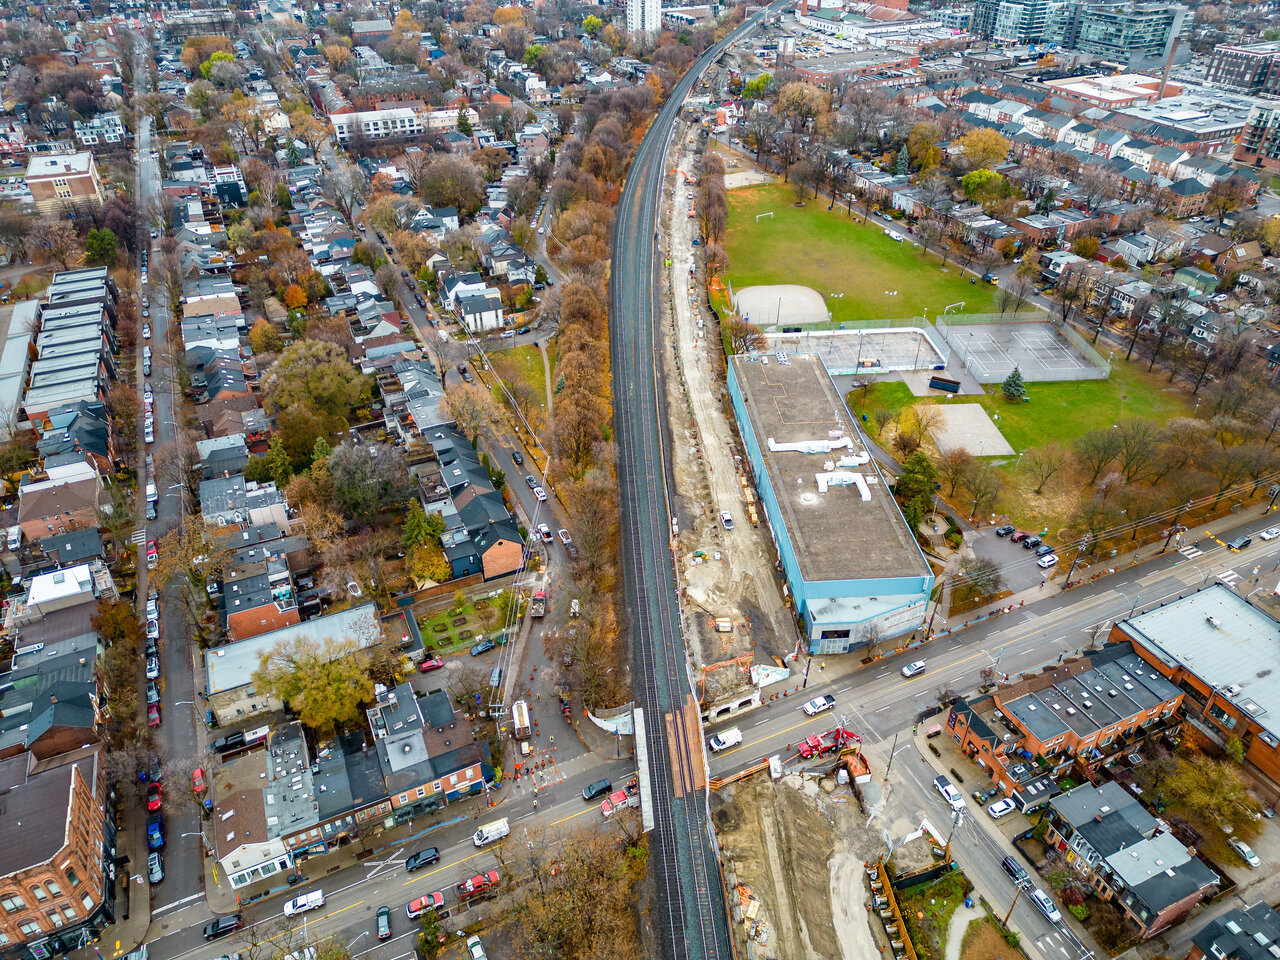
{"x": 1226, "y": 642}
{"x": 839, "y": 533}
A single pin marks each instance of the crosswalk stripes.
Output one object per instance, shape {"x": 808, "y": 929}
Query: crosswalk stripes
{"x": 1052, "y": 942}
{"x": 1228, "y": 576}
{"x": 139, "y": 536}
{"x": 1190, "y": 551}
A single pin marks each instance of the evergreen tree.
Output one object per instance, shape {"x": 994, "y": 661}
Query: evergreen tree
{"x": 1013, "y": 387}
{"x": 321, "y": 449}
{"x": 292, "y": 157}
{"x": 904, "y": 162}
{"x": 278, "y": 463}
{"x": 415, "y": 531}
{"x": 915, "y": 488}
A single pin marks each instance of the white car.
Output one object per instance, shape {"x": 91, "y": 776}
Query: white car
{"x": 1046, "y": 906}
{"x": 1269, "y": 534}
{"x": 475, "y": 949}
{"x": 153, "y": 608}
{"x": 1000, "y": 808}
{"x": 146, "y": 331}
{"x": 544, "y": 532}
{"x": 819, "y": 705}
{"x": 1045, "y": 562}
{"x": 911, "y": 669}
{"x": 1245, "y": 851}
{"x": 726, "y": 519}
{"x": 153, "y": 668}
{"x": 153, "y": 629}
{"x": 308, "y": 901}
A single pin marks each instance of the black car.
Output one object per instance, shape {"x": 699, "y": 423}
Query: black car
{"x": 1043, "y": 550}
{"x": 484, "y": 646}
{"x": 422, "y": 858}
{"x": 597, "y": 789}
{"x": 1239, "y": 543}
{"x": 232, "y": 741}
{"x": 1004, "y": 531}
{"x": 1031, "y": 543}
{"x": 155, "y": 773}
{"x": 518, "y": 457}
{"x": 1015, "y": 872}
{"x": 523, "y": 330}
{"x": 222, "y": 926}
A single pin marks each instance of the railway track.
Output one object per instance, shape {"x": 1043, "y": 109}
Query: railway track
{"x": 691, "y": 917}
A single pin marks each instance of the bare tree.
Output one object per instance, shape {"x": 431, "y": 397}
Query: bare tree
{"x": 1096, "y": 450}
{"x": 1044, "y": 463}
{"x": 1137, "y": 447}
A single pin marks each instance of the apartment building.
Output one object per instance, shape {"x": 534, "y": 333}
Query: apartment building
{"x": 57, "y": 855}
{"x": 1078, "y": 714}
{"x": 65, "y": 178}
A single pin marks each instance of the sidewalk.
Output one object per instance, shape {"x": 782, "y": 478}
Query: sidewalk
{"x": 133, "y": 900}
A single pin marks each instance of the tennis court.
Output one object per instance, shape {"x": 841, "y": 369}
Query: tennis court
{"x": 1039, "y": 349}
{"x": 846, "y": 352}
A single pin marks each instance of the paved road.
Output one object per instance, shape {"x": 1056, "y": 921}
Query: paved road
{"x": 179, "y": 737}
{"x": 690, "y": 909}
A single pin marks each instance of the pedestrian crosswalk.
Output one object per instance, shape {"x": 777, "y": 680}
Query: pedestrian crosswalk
{"x": 1191, "y": 551}
{"x": 139, "y": 536}
{"x": 1053, "y": 944}
{"x": 1228, "y": 576}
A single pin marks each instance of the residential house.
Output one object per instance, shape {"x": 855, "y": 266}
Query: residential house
{"x": 232, "y": 500}
{"x": 1078, "y": 714}
{"x": 64, "y": 498}
{"x": 64, "y": 179}
{"x": 1117, "y": 847}
{"x": 1251, "y": 933}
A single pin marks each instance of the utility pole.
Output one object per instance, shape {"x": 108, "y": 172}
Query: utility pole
{"x": 806, "y": 672}
{"x": 889, "y": 765}
{"x": 1016, "y": 894}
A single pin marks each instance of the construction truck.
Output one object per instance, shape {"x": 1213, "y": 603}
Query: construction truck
{"x": 538, "y": 604}
{"x": 481, "y": 883}
{"x": 521, "y": 725}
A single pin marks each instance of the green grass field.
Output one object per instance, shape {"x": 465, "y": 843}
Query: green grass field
{"x": 1064, "y": 411}
{"x": 834, "y": 253}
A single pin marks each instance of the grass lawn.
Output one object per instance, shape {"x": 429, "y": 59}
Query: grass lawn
{"x": 1064, "y": 411}
{"x": 891, "y": 395}
{"x": 834, "y": 253}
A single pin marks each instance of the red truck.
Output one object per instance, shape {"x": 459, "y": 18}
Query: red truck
{"x": 831, "y": 740}
{"x": 480, "y": 883}
{"x": 538, "y": 604}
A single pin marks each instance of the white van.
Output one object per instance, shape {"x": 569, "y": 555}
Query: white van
{"x": 152, "y": 495}
{"x": 491, "y": 832}
{"x": 725, "y": 739}
{"x": 15, "y": 538}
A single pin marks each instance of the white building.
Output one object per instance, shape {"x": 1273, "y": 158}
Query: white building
{"x": 104, "y": 128}
{"x": 644, "y": 15}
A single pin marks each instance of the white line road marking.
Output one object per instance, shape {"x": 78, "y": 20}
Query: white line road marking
{"x": 178, "y": 903}
{"x": 882, "y": 709}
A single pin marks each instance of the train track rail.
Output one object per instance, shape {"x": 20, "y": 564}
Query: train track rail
{"x": 691, "y": 916}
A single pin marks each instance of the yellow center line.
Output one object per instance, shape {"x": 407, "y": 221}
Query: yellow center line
{"x": 334, "y": 913}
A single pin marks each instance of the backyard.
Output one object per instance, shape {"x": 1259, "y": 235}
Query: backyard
{"x": 461, "y": 625}
{"x": 927, "y": 910}
{"x": 874, "y": 277}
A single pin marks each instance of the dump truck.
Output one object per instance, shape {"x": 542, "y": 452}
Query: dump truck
{"x": 538, "y": 604}
{"x": 521, "y": 725}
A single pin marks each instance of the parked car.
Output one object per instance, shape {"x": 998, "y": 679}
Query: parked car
{"x": 563, "y": 534}
{"x": 384, "y": 923}
{"x": 1043, "y": 550}
{"x": 819, "y": 705}
{"x": 523, "y": 330}
{"x": 422, "y": 858}
{"x": 153, "y": 668}
{"x": 726, "y": 519}
{"x": 1045, "y": 562}
{"x": 595, "y": 790}
{"x": 153, "y": 692}
{"x": 431, "y": 663}
{"x": 197, "y": 781}
{"x": 517, "y": 458}
{"x": 484, "y": 646}
{"x": 153, "y": 715}
{"x": 1030, "y": 543}
{"x": 532, "y": 481}
{"x": 539, "y": 494}
{"x": 1005, "y": 530}
{"x": 155, "y": 867}
{"x": 544, "y": 532}
{"x": 153, "y": 629}
{"x": 1019, "y": 536}
{"x": 153, "y": 608}
{"x": 146, "y": 330}
{"x": 1001, "y": 808}
{"x": 1016, "y": 873}
{"x": 475, "y": 949}
{"x": 432, "y": 901}
{"x": 911, "y": 669}
{"x": 153, "y": 554}
{"x": 1239, "y": 543}
{"x": 154, "y": 797}
{"x": 1245, "y": 851}
{"x": 1270, "y": 533}
{"x": 1046, "y": 906}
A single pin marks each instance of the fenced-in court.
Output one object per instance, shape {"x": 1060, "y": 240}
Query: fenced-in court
{"x": 873, "y": 350}
{"x": 990, "y": 347}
